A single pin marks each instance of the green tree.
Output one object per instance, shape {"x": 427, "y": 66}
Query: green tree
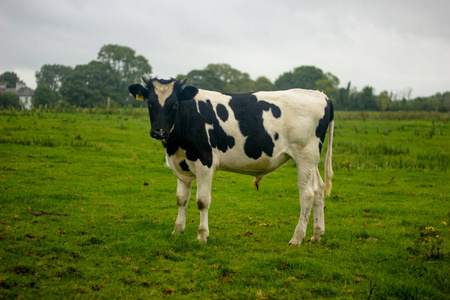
{"x": 329, "y": 84}
{"x": 10, "y": 79}
{"x": 232, "y": 80}
{"x": 343, "y": 102}
{"x": 225, "y": 72}
{"x": 241, "y": 85}
{"x": 90, "y": 85}
{"x": 9, "y": 100}
{"x": 263, "y": 83}
{"x": 304, "y": 77}
{"x": 366, "y": 99}
{"x": 442, "y": 101}
{"x": 285, "y": 81}
{"x": 384, "y": 102}
{"x": 124, "y": 61}
{"x": 43, "y": 95}
{"x": 53, "y": 76}
{"x": 222, "y": 78}
{"x": 205, "y": 79}
{"x": 127, "y": 66}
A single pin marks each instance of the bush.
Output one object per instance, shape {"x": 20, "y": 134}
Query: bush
{"x": 43, "y": 95}
{"x": 9, "y": 100}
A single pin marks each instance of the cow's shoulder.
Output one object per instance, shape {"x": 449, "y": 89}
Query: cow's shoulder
{"x": 189, "y": 134}
{"x": 214, "y": 111}
{"x": 197, "y": 128}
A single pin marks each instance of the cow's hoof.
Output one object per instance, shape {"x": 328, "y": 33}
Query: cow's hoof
{"x": 203, "y": 235}
{"x": 295, "y": 242}
{"x": 315, "y": 239}
{"x": 202, "y": 239}
{"x": 178, "y": 229}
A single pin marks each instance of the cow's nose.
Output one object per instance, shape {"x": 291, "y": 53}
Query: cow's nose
{"x": 158, "y": 134}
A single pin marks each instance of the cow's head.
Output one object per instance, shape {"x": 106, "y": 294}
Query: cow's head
{"x": 163, "y": 98}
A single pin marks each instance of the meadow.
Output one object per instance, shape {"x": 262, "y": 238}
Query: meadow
{"x": 88, "y": 206}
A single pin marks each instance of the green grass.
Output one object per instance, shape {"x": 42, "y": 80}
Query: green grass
{"x": 88, "y": 206}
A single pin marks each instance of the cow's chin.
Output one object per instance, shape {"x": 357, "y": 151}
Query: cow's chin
{"x": 164, "y": 140}
{"x": 159, "y": 137}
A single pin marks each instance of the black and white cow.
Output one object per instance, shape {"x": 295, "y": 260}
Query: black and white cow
{"x": 204, "y": 131}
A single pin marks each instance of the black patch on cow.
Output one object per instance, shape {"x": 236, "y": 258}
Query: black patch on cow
{"x": 200, "y": 204}
{"x": 276, "y": 112}
{"x": 222, "y": 112}
{"x": 321, "y": 129}
{"x": 190, "y": 133}
{"x": 248, "y": 111}
{"x": 217, "y": 136}
{"x": 276, "y": 136}
{"x": 184, "y": 166}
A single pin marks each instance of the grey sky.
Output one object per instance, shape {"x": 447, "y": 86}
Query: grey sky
{"x": 390, "y": 45}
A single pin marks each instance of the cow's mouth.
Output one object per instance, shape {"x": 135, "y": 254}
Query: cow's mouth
{"x": 160, "y": 135}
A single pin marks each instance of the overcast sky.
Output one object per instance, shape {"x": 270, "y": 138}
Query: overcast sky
{"x": 392, "y": 45}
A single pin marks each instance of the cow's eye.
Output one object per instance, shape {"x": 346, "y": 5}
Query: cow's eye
{"x": 149, "y": 105}
{"x": 175, "y": 106}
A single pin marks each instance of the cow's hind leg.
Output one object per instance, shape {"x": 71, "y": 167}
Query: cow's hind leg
{"x": 183, "y": 196}
{"x": 305, "y": 182}
{"x": 306, "y": 160}
{"x": 318, "y": 207}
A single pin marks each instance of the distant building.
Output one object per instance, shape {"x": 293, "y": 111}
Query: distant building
{"x": 24, "y": 92}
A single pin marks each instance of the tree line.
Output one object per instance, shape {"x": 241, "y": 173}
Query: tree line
{"x": 104, "y": 81}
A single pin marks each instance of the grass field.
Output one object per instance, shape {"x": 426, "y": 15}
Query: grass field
{"x": 88, "y": 206}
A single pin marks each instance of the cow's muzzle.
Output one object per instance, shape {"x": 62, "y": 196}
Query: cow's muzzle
{"x": 159, "y": 134}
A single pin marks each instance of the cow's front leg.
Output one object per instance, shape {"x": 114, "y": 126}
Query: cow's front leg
{"x": 183, "y": 196}
{"x": 204, "y": 183}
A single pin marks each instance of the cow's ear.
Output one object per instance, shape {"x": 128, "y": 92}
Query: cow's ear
{"x": 188, "y": 93}
{"x": 138, "y": 92}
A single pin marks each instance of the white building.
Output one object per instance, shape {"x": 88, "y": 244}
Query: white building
{"x": 24, "y": 92}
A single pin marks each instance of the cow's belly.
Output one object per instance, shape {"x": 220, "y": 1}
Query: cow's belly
{"x": 240, "y": 163}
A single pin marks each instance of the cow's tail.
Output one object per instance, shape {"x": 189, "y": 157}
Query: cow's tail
{"x": 328, "y": 158}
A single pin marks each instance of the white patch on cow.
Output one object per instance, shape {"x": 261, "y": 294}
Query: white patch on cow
{"x": 271, "y": 124}
{"x": 207, "y": 128}
{"x": 163, "y": 91}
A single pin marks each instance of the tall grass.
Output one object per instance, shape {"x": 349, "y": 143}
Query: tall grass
{"x": 124, "y": 111}
{"x": 382, "y": 156}
{"x": 370, "y": 149}
{"x": 390, "y": 115}
{"x": 45, "y": 141}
